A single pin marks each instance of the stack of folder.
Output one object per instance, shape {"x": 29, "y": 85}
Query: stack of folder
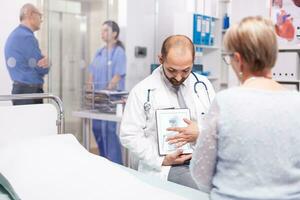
{"x": 104, "y": 100}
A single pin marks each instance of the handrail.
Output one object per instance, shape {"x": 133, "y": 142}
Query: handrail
{"x": 60, "y": 117}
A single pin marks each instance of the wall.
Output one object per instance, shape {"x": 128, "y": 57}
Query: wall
{"x": 240, "y": 9}
{"x": 139, "y": 32}
{"x": 148, "y": 24}
{"x": 9, "y": 19}
{"x": 174, "y": 17}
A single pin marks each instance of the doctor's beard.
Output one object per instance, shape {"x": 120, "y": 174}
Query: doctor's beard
{"x": 176, "y": 83}
{"x": 173, "y": 81}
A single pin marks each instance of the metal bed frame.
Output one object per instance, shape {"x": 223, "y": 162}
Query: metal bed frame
{"x": 57, "y": 100}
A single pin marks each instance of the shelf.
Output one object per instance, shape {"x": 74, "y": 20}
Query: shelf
{"x": 287, "y": 81}
{"x": 207, "y": 46}
{"x": 212, "y": 78}
{"x": 290, "y": 48}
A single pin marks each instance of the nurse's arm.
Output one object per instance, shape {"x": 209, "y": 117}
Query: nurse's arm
{"x": 89, "y": 82}
{"x": 114, "y": 82}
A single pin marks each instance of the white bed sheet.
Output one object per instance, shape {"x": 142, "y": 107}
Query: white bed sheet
{"x": 58, "y": 167}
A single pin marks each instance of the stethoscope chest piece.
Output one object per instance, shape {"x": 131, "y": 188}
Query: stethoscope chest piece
{"x": 147, "y": 106}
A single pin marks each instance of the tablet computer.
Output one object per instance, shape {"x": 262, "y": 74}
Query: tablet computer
{"x": 166, "y": 118}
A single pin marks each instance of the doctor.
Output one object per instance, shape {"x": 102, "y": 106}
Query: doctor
{"x": 169, "y": 86}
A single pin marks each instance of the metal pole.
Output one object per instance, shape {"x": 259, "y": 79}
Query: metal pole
{"x": 60, "y": 117}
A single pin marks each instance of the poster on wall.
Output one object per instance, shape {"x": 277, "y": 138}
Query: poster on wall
{"x": 286, "y": 16}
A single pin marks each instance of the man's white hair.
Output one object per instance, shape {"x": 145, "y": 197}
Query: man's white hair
{"x": 26, "y": 9}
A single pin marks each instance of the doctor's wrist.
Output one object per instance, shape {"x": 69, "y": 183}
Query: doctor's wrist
{"x": 166, "y": 162}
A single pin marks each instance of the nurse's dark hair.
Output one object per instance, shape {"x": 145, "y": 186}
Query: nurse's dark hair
{"x": 115, "y": 28}
{"x": 177, "y": 41}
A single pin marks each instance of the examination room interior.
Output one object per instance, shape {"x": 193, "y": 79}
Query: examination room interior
{"x": 70, "y": 36}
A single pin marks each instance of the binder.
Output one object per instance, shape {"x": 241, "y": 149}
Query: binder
{"x": 206, "y": 29}
{"x": 212, "y": 31}
{"x": 197, "y": 29}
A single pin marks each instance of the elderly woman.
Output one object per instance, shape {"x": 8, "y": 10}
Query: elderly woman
{"x": 249, "y": 148}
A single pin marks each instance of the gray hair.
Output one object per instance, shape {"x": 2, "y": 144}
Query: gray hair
{"x": 26, "y": 9}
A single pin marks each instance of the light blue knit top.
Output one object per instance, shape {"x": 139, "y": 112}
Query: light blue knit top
{"x": 250, "y": 146}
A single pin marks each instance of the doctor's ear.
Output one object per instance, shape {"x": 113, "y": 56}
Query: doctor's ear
{"x": 160, "y": 59}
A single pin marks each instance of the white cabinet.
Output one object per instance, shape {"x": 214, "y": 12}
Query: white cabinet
{"x": 287, "y": 68}
{"x": 211, "y": 55}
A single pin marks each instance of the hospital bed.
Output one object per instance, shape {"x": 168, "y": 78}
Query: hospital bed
{"x": 38, "y": 163}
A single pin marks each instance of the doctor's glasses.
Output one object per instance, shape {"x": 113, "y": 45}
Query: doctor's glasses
{"x": 227, "y": 56}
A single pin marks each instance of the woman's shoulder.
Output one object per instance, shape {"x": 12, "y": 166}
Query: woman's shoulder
{"x": 232, "y": 94}
{"x": 228, "y": 92}
{"x": 120, "y": 49}
{"x": 244, "y": 92}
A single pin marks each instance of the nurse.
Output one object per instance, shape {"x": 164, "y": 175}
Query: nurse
{"x": 107, "y": 71}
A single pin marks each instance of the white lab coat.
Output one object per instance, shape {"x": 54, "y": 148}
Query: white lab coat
{"x": 139, "y": 135}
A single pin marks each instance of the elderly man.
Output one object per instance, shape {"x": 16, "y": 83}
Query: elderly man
{"x": 26, "y": 64}
{"x": 170, "y": 86}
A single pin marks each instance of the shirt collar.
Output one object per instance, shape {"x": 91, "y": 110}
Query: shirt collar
{"x": 26, "y": 28}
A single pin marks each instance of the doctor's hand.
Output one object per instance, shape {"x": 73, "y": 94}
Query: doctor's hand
{"x": 176, "y": 158}
{"x": 185, "y": 135}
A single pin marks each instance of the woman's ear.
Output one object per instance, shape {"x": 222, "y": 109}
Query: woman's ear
{"x": 239, "y": 61}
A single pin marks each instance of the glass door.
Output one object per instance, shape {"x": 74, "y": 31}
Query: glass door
{"x": 67, "y": 27}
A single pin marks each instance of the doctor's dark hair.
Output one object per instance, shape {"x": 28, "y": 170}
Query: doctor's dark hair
{"x": 115, "y": 28}
{"x": 181, "y": 41}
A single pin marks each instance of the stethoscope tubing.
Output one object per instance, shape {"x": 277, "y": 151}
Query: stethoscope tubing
{"x": 201, "y": 82}
{"x": 147, "y": 104}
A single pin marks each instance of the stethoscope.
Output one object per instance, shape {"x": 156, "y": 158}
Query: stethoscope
{"x": 147, "y": 104}
{"x": 109, "y": 61}
{"x": 205, "y": 86}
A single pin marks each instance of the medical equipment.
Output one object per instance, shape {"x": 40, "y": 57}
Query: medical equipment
{"x": 201, "y": 82}
{"x": 109, "y": 61}
{"x": 147, "y": 104}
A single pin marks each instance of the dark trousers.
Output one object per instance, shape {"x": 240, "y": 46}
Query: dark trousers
{"x": 21, "y": 88}
{"x": 181, "y": 174}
